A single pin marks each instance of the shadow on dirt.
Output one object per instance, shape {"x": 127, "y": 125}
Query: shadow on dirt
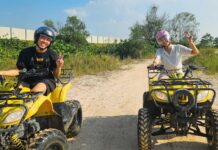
{"x": 120, "y": 133}
{"x": 181, "y": 145}
{"x": 107, "y": 133}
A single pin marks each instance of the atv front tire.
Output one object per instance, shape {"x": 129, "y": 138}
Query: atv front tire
{"x": 75, "y": 126}
{"x": 144, "y": 129}
{"x": 211, "y": 129}
{"x": 49, "y": 139}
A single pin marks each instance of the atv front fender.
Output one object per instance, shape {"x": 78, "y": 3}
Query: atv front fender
{"x": 60, "y": 93}
{"x": 41, "y": 107}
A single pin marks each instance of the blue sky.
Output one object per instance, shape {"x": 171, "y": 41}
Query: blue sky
{"x": 104, "y": 17}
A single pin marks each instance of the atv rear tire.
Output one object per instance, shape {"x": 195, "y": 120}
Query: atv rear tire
{"x": 49, "y": 139}
{"x": 75, "y": 126}
{"x": 211, "y": 129}
{"x": 144, "y": 129}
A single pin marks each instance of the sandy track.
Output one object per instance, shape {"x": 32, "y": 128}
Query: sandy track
{"x": 110, "y": 105}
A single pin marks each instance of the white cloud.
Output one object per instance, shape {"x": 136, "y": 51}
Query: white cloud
{"x": 109, "y": 17}
{"x": 76, "y": 12}
{"x": 115, "y": 17}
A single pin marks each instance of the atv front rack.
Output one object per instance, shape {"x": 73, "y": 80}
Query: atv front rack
{"x": 16, "y": 95}
{"x": 65, "y": 77}
{"x": 186, "y": 81}
{"x": 193, "y": 84}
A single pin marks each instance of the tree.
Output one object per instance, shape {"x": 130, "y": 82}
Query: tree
{"x": 153, "y": 23}
{"x": 74, "y": 32}
{"x": 181, "y": 23}
{"x": 142, "y": 37}
{"x": 207, "y": 41}
{"x": 130, "y": 48}
{"x": 136, "y": 31}
{"x": 50, "y": 24}
{"x": 149, "y": 28}
{"x": 216, "y": 42}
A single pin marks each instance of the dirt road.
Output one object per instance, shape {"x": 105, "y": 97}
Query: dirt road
{"x": 110, "y": 105}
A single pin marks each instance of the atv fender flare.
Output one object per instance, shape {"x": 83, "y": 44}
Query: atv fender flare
{"x": 41, "y": 107}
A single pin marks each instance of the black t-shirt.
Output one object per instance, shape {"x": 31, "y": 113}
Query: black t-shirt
{"x": 29, "y": 58}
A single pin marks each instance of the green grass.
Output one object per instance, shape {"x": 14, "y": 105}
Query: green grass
{"x": 208, "y": 58}
{"x": 87, "y": 63}
{"x": 82, "y": 63}
{"x": 7, "y": 63}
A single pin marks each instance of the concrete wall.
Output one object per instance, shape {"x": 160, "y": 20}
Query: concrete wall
{"x": 27, "y": 34}
{"x": 18, "y": 33}
{"x": 5, "y": 32}
{"x": 30, "y": 35}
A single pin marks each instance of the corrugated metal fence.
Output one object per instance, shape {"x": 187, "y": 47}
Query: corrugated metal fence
{"x": 27, "y": 34}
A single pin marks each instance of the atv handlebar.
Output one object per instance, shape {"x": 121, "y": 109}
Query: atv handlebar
{"x": 33, "y": 73}
{"x": 192, "y": 67}
{"x": 187, "y": 70}
{"x": 158, "y": 67}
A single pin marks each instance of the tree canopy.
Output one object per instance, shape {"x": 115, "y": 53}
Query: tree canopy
{"x": 181, "y": 23}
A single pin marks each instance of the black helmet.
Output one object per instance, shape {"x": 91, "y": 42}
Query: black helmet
{"x": 44, "y": 31}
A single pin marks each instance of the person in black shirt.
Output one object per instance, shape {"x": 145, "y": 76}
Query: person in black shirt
{"x": 41, "y": 56}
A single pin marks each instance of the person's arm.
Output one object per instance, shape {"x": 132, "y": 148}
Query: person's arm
{"x": 59, "y": 63}
{"x": 57, "y": 72}
{"x": 195, "y": 50}
{"x": 157, "y": 60}
{"x": 11, "y": 73}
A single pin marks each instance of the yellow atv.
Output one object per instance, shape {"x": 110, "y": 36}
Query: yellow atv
{"x": 177, "y": 105}
{"x": 34, "y": 121}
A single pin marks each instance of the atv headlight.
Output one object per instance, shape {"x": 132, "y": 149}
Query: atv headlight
{"x": 202, "y": 95}
{"x": 14, "y": 116}
{"x": 161, "y": 95}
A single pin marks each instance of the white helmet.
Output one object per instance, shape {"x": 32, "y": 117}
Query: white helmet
{"x": 163, "y": 34}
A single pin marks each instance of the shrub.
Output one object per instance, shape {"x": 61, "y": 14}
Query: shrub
{"x": 207, "y": 58}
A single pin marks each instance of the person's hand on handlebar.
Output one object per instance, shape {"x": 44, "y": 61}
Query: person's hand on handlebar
{"x": 154, "y": 64}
